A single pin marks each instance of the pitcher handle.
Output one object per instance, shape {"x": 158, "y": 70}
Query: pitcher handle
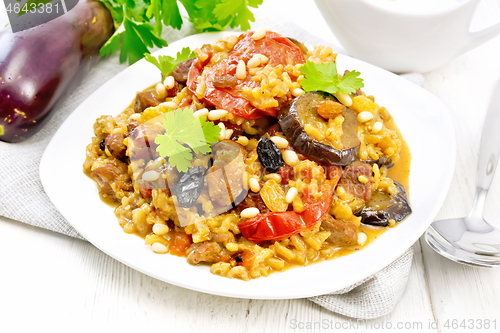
{"x": 482, "y": 36}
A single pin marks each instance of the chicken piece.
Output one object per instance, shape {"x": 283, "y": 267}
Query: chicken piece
{"x": 144, "y": 100}
{"x": 181, "y": 72}
{"x": 357, "y": 179}
{"x": 115, "y": 145}
{"x": 342, "y": 232}
{"x": 113, "y": 179}
{"x": 209, "y": 252}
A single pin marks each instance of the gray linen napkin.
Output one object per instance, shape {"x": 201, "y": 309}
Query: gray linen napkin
{"x": 22, "y": 197}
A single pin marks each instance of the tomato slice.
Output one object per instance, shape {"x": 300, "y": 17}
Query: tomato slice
{"x": 180, "y": 242}
{"x": 279, "y": 225}
{"x": 278, "y": 49}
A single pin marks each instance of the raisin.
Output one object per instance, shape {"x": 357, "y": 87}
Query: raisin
{"x": 102, "y": 145}
{"x": 238, "y": 258}
{"x": 190, "y": 186}
{"x": 269, "y": 155}
{"x": 274, "y": 197}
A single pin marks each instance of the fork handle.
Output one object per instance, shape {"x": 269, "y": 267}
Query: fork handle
{"x": 489, "y": 150}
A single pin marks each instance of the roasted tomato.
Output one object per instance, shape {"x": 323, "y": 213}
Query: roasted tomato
{"x": 278, "y": 225}
{"x": 278, "y": 49}
{"x": 180, "y": 242}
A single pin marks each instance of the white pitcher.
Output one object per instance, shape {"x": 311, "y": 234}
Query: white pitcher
{"x": 405, "y": 35}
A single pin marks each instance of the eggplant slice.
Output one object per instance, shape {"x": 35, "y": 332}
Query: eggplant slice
{"x": 383, "y": 206}
{"x": 301, "y": 111}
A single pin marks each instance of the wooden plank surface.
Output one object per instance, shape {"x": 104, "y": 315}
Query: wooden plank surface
{"x": 60, "y": 281}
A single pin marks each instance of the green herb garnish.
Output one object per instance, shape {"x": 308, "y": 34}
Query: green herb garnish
{"x": 135, "y": 33}
{"x": 167, "y": 64}
{"x": 183, "y": 129}
{"x": 324, "y": 77}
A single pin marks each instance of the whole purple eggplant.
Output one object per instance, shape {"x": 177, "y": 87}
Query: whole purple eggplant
{"x": 39, "y": 65}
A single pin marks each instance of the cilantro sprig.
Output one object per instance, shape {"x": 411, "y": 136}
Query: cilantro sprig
{"x": 167, "y": 64}
{"x": 185, "y": 134}
{"x": 324, "y": 77}
{"x": 136, "y": 33}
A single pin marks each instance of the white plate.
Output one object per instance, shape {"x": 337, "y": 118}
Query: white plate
{"x": 423, "y": 120}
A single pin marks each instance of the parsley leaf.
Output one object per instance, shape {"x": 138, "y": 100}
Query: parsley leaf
{"x": 135, "y": 38}
{"x": 350, "y": 82}
{"x": 324, "y": 77}
{"x": 237, "y": 11}
{"x": 113, "y": 44}
{"x": 115, "y": 9}
{"x": 171, "y": 15}
{"x": 185, "y": 132}
{"x": 200, "y": 13}
{"x": 166, "y": 11}
{"x": 167, "y": 64}
{"x": 320, "y": 77}
{"x": 135, "y": 35}
{"x": 216, "y": 15}
{"x": 136, "y": 10}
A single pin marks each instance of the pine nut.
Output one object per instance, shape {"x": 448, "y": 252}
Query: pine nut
{"x": 377, "y": 127}
{"x": 241, "y": 70}
{"x": 259, "y": 34}
{"x": 216, "y": 114}
{"x": 298, "y": 92}
{"x": 254, "y": 62}
{"x": 169, "y": 105}
{"x": 229, "y": 132}
{"x": 222, "y": 134}
{"x": 263, "y": 58}
{"x": 160, "y": 229}
{"x": 232, "y": 247}
{"x": 159, "y": 248}
{"x": 161, "y": 92}
{"x": 201, "y": 113}
{"x": 290, "y": 157}
{"x": 280, "y": 142}
{"x": 242, "y": 140}
{"x": 233, "y": 39}
{"x": 135, "y": 116}
{"x": 150, "y": 176}
{"x": 248, "y": 213}
{"x": 343, "y": 98}
{"x": 254, "y": 185}
{"x": 291, "y": 194}
{"x": 169, "y": 82}
{"x": 273, "y": 176}
{"x": 362, "y": 238}
{"x": 365, "y": 116}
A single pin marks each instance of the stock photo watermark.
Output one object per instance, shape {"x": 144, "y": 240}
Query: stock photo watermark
{"x": 484, "y": 324}
{"x": 26, "y": 14}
